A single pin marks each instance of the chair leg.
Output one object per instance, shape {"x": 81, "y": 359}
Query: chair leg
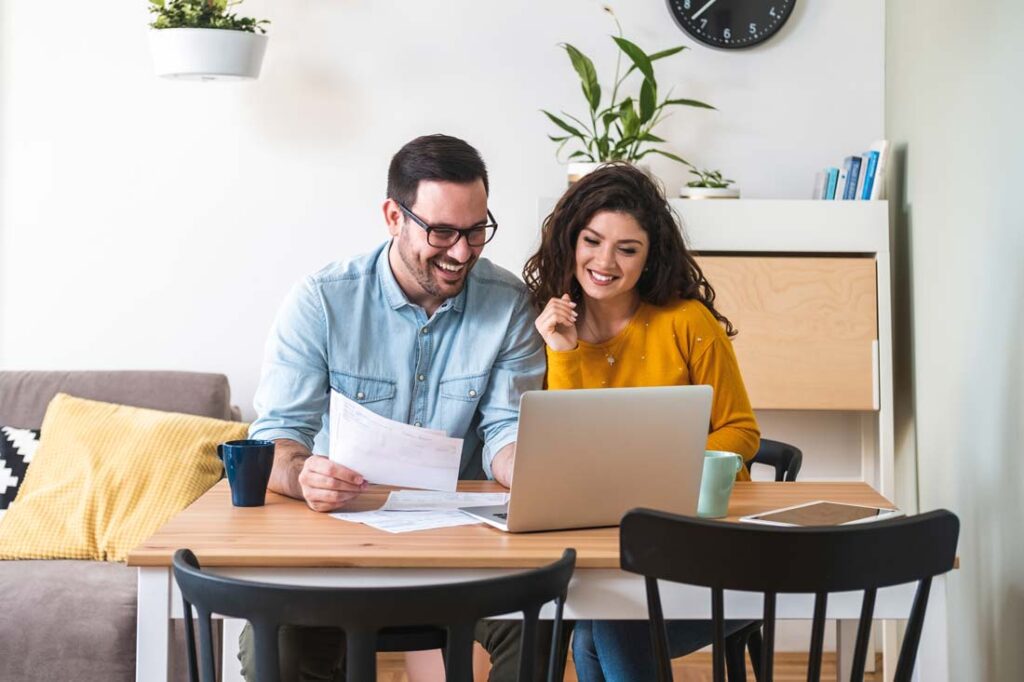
{"x": 754, "y": 644}
{"x": 735, "y": 651}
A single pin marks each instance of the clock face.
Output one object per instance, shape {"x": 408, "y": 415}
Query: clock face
{"x": 731, "y": 24}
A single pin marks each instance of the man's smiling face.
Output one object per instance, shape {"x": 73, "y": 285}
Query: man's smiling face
{"x": 429, "y": 274}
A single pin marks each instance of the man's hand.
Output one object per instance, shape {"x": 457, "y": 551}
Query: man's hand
{"x": 323, "y": 484}
{"x": 327, "y": 485}
{"x": 501, "y": 465}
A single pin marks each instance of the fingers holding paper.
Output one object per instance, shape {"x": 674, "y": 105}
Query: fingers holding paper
{"x": 327, "y": 485}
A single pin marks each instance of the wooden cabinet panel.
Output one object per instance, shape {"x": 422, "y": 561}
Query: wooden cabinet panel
{"x": 807, "y": 328}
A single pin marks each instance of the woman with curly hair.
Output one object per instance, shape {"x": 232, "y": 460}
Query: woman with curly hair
{"x": 623, "y": 303}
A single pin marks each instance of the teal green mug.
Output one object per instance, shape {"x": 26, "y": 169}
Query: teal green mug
{"x": 720, "y": 469}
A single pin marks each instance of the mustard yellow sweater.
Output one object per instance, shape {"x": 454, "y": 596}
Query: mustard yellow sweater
{"x": 679, "y": 344}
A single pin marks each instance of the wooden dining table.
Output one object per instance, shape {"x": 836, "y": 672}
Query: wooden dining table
{"x": 286, "y": 542}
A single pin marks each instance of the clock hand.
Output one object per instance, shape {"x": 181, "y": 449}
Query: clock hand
{"x": 701, "y": 10}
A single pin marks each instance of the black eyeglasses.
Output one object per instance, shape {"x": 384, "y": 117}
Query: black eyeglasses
{"x": 447, "y": 237}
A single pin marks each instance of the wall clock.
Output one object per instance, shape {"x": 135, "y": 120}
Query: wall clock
{"x": 731, "y": 24}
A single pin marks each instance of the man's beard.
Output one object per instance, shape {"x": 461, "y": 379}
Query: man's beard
{"x": 426, "y": 275}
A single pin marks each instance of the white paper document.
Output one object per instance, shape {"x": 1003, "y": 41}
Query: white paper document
{"x": 387, "y": 452}
{"x": 405, "y": 521}
{"x": 422, "y": 500}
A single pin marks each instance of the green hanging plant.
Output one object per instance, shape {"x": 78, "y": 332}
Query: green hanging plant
{"x": 620, "y": 129}
{"x": 202, "y": 14}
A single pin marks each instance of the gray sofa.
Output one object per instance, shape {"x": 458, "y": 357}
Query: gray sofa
{"x": 75, "y": 620}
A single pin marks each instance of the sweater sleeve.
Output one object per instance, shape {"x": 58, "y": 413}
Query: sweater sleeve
{"x": 733, "y": 425}
{"x": 564, "y": 369}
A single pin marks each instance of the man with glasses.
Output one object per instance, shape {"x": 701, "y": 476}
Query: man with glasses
{"x": 422, "y": 330}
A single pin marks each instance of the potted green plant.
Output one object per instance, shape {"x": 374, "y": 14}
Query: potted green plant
{"x": 709, "y": 185}
{"x": 619, "y": 128}
{"x": 204, "y": 40}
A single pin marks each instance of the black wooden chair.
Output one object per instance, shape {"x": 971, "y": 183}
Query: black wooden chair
{"x": 783, "y": 457}
{"x": 723, "y": 556}
{"x": 365, "y": 613}
{"x": 786, "y": 459}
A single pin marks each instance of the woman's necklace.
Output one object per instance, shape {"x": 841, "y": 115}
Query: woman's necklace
{"x": 611, "y": 350}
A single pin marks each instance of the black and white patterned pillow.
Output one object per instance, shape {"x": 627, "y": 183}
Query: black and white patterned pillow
{"x": 16, "y": 449}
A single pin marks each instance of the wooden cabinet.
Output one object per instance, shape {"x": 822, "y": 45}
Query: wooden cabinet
{"x": 808, "y": 329}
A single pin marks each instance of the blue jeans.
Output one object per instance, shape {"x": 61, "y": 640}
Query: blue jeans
{"x": 620, "y": 650}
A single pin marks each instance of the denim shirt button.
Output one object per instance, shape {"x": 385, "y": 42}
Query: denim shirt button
{"x": 360, "y": 395}
{"x": 472, "y": 393}
{"x": 418, "y": 424}
{"x": 422, "y": 377}
{"x": 425, "y": 330}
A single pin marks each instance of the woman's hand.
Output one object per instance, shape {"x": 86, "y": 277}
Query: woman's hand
{"x": 557, "y": 323}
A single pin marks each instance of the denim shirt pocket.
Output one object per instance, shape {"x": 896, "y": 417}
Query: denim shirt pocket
{"x": 465, "y": 388}
{"x": 459, "y": 397}
{"x": 375, "y": 393}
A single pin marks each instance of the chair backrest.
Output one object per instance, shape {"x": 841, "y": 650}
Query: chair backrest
{"x": 364, "y": 612}
{"x": 753, "y": 558}
{"x": 783, "y": 457}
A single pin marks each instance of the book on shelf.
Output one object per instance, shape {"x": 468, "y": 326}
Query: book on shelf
{"x": 831, "y": 179}
{"x": 820, "y": 183}
{"x": 840, "y": 184}
{"x": 858, "y": 192}
{"x": 869, "y": 176}
{"x": 882, "y": 167}
{"x": 858, "y": 177}
{"x": 851, "y": 165}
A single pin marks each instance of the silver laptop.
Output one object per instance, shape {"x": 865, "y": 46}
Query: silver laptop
{"x": 584, "y": 457}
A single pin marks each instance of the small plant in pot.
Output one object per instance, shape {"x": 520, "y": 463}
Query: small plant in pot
{"x": 709, "y": 185}
{"x": 620, "y": 127}
{"x": 205, "y": 40}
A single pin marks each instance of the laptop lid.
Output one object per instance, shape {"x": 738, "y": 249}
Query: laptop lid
{"x": 584, "y": 457}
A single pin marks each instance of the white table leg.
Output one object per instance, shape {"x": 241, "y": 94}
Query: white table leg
{"x": 231, "y": 667}
{"x": 890, "y": 648}
{"x": 152, "y": 628}
{"x": 869, "y": 665}
{"x": 846, "y": 641}
{"x": 932, "y": 657}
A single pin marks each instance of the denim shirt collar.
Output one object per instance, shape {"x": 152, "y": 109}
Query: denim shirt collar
{"x": 393, "y": 292}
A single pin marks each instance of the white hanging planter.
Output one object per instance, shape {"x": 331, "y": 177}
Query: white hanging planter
{"x": 710, "y": 193}
{"x": 207, "y": 53}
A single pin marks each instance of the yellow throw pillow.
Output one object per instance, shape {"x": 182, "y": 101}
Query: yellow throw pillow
{"x": 105, "y": 477}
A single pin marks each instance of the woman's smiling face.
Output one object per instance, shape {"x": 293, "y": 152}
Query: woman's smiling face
{"x": 611, "y": 252}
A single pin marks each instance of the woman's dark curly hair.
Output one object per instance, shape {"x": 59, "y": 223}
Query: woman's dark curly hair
{"x": 670, "y": 271}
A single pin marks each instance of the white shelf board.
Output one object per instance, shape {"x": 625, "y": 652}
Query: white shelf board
{"x": 764, "y": 225}
{"x": 779, "y": 225}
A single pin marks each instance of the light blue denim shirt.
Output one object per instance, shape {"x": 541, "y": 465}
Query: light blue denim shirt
{"x": 350, "y": 328}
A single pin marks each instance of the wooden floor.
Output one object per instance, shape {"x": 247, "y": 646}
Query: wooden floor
{"x": 789, "y": 667}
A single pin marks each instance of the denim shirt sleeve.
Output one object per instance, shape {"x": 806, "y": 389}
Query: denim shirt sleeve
{"x": 519, "y": 367}
{"x": 293, "y": 394}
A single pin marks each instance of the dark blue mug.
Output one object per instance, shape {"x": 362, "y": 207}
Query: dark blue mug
{"x": 248, "y": 464}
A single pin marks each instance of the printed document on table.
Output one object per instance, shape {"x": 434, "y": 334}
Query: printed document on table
{"x": 406, "y": 521}
{"x": 429, "y": 500}
{"x": 392, "y": 453}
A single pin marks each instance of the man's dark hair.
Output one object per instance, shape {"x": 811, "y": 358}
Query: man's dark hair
{"x": 433, "y": 157}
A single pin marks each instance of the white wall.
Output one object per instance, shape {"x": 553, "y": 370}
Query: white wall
{"x": 153, "y": 224}
{"x": 953, "y": 106}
